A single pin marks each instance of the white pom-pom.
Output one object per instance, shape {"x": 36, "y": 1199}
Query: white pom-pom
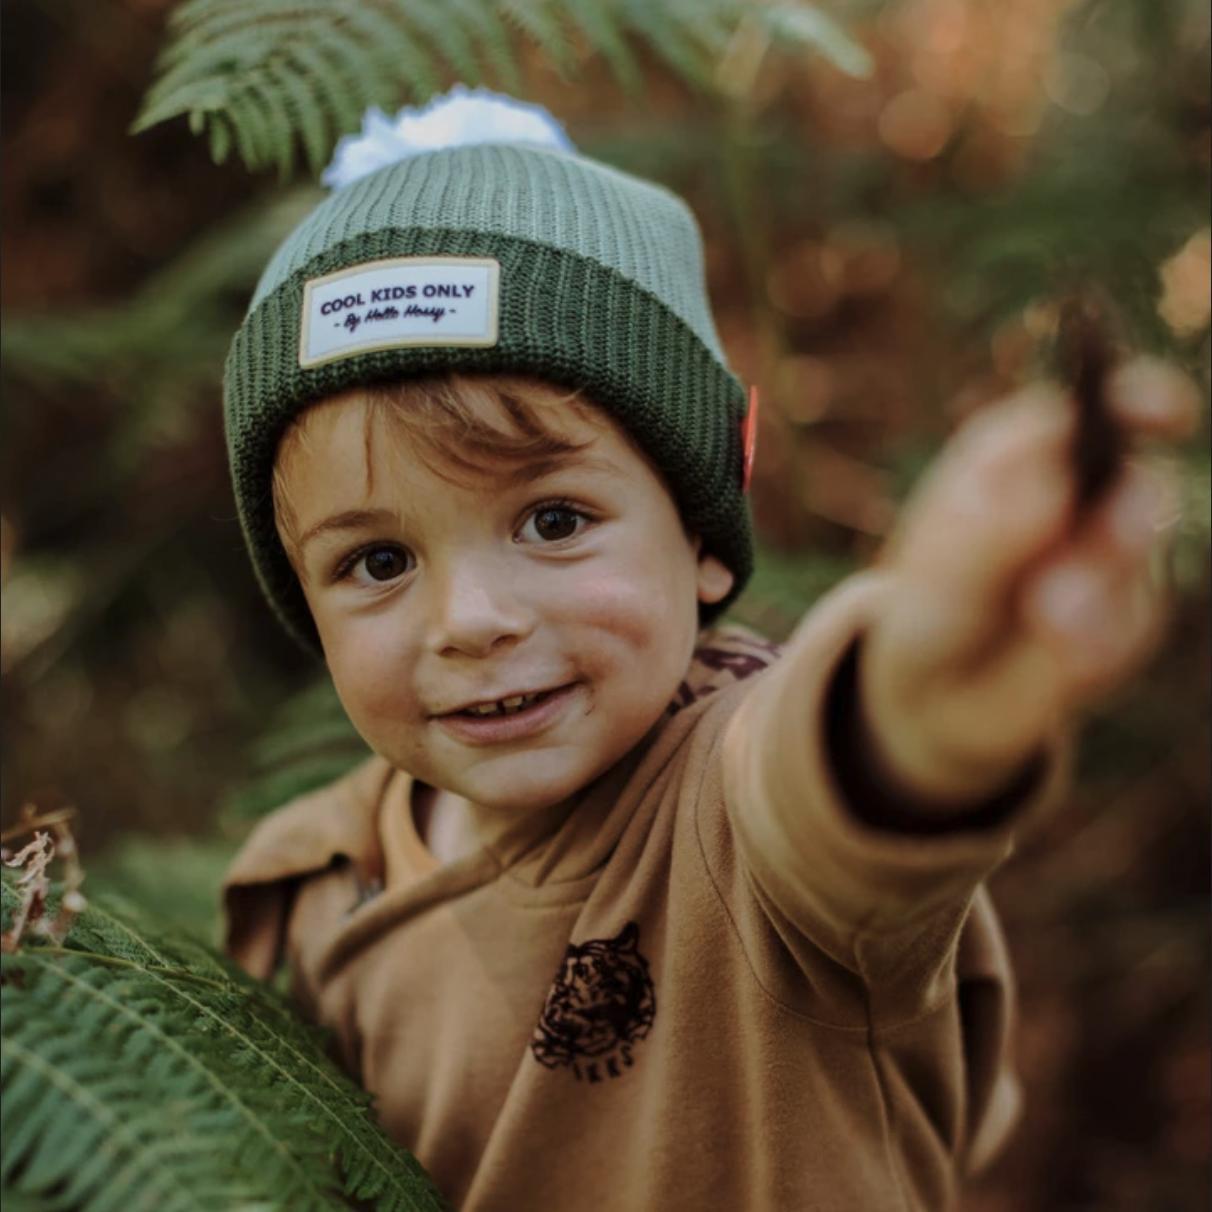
{"x": 460, "y": 117}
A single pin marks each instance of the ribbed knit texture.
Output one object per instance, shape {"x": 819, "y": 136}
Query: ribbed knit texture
{"x": 601, "y": 289}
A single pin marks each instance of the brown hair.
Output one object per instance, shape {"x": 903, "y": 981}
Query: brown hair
{"x": 460, "y": 425}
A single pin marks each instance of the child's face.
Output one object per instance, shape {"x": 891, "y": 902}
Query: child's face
{"x": 573, "y": 581}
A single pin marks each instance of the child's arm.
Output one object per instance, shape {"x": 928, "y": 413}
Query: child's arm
{"x": 994, "y": 616}
{"x": 1013, "y": 607}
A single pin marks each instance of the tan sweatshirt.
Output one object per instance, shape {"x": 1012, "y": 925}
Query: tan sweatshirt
{"x": 709, "y": 986}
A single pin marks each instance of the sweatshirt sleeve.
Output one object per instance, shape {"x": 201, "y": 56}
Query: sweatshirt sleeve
{"x": 886, "y": 902}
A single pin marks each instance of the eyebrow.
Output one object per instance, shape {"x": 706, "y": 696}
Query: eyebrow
{"x": 527, "y": 473}
{"x": 351, "y": 519}
{"x": 536, "y": 469}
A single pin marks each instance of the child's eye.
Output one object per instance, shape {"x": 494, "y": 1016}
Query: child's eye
{"x": 552, "y": 522}
{"x": 378, "y": 564}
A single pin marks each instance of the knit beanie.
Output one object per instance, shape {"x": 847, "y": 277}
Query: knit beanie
{"x": 496, "y": 259}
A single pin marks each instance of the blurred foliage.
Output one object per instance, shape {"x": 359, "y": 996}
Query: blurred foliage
{"x": 173, "y": 330}
{"x": 884, "y": 255}
{"x": 307, "y": 743}
{"x": 1109, "y": 187}
{"x": 172, "y": 881}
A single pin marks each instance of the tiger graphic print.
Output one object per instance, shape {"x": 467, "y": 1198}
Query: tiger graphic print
{"x": 601, "y": 1003}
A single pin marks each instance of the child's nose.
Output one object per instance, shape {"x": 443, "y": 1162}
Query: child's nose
{"x": 472, "y": 612}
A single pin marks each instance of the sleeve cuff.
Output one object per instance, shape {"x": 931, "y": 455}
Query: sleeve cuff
{"x": 878, "y": 798}
{"x": 837, "y": 862}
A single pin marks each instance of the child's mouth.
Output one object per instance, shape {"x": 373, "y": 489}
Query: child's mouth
{"x": 510, "y": 706}
{"x": 510, "y": 718}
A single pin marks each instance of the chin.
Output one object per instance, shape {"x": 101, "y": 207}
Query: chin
{"x": 523, "y": 784}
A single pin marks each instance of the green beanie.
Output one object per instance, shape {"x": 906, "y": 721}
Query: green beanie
{"x": 498, "y": 258}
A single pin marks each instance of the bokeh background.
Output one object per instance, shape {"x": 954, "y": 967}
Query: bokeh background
{"x": 884, "y": 255}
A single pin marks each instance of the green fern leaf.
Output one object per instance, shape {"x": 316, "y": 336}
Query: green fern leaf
{"x": 603, "y": 34}
{"x": 13, "y": 1200}
{"x": 308, "y": 743}
{"x": 279, "y": 126}
{"x": 710, "y": 24}
{"x": 486, "y": 29}
{"x": 131, "y": 1061}
{"x": 443, "y": 33}
{"x": 669, "y": 39}
{"x": 144, "y": 342}
{"x": 206, "y": 20}
{"x": 162, "y": 104}
{"x": 798, "y": 25}
{"x": 362, "y": 71}
{"x": 247, "y": 133}
{"x": 171, "y": 881}
{"x": 220, "y": 138}
{"x": 540, "y": 21}
{"x": 272, "y": 143}
{"x": 209, "y": 67}
{"x": 328, "y": 80}
{"x": 269, "y": 790}
{"x": 347, "y": 54}
{"x": 309, "y": 117}
{"x": 397, "y": 57}
{"x": 312, "y": 738}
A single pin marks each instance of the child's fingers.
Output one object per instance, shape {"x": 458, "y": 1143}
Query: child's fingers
{"x": 1001, "y": 493}
{"x": 1124, "y": 528}
{"x": 1077, "y": 638}
{"x": 1065, "y": 660}
{"x": 1091, "y": 597}
{"x": 1154, "y": 398}
{"x": 1097, "y": 627}
{"x": 1011, "y": 607}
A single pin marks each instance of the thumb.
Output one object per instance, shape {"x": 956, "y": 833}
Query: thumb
{"x": 1000, "y": 496}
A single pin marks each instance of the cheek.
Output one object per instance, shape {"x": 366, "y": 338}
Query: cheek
{"x": 646, "y": 609}
{"x": 366, "y": 664}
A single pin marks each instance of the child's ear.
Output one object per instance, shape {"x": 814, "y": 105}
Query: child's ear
{"x": 714, "y": 579}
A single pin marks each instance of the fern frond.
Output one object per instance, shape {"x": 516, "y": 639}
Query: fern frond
{"x": 491, "y": 34}
{"x": 220, "y": 137}
{"x": 309, "y": 742}
{"x": 671, "y": 39}
{"x": 245, "y": 135}
{"x": 446, "y": 38}
{"x": 798, "y": 26}
{"x": 278, "y": 124}
{"x": 82, "y": 1104}
{"x": 171, "y": 881}
{"x": 328, "y": 77}
{"x": 251, "y": 120}
{"x": 143, "y": 1071}
{"x": 174, "y": 330}
{"x": 710, "y": 23}
{"x": 310, "y": 118}
{"x": 601, "y": 30}
{"x": 395, "y": 53}
{"x": 539, "y": 20}
{"x": 349, "y": 54}
{"x": 195, "y": 25}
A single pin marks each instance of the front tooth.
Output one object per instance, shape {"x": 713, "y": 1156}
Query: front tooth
{"x": 516, "y": 701}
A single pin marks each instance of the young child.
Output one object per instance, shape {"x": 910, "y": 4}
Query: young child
{"x": 625, "y": 914}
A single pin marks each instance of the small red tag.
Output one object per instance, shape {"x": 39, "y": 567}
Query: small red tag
{"x": 749, "y": 430}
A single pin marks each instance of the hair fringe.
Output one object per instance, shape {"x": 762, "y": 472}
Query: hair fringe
{"x": 461, "y": 426}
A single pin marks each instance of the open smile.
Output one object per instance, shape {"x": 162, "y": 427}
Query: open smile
{"x": 511, "y": 718}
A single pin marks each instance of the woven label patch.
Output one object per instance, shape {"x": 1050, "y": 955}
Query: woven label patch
{"x": 400, "y": 301}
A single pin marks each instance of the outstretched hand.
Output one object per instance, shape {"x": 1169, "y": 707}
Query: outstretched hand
{"x": 1013, "y": 607}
